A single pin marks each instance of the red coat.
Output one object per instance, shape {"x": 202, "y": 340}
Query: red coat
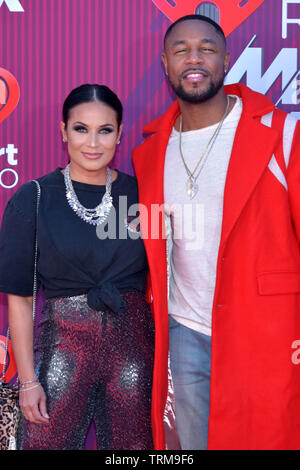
{"x": 255, "y": 384}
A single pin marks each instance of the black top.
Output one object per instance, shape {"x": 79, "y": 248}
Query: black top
{"x": 72, "y": 257}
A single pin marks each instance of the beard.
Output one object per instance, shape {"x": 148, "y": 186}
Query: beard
{"x": 198, "y": 96}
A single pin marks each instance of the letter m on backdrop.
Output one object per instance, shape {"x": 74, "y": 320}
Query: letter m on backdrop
{"x": 12, "y": 5}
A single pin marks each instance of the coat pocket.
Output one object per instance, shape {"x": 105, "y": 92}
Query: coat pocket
{"x": 272, "y": 283}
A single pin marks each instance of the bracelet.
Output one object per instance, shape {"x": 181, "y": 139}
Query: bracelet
{"x": 30, "y": 388}
{"x": 22, "y": 384}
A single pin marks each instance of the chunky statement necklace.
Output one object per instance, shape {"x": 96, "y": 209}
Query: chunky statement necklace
{"x": 92, "y": 216}
{"x": 191, "y": 184}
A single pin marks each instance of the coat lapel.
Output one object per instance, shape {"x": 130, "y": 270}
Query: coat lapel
{"x": 150, "y": 176}
{"x": 252, "y": 150}
{"x": 149, "y": 161}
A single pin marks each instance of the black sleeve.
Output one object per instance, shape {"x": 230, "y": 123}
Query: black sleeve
{"x": 17, "y": 242}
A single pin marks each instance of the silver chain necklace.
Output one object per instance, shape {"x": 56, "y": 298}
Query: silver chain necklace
{"x": 94, "y": 216}
{"x": 191, "y": 184}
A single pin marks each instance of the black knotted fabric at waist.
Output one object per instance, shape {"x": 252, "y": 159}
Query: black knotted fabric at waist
{"x": 105, "y": 296}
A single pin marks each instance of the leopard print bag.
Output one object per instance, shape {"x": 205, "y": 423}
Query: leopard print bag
{"x": 9, "y": 415}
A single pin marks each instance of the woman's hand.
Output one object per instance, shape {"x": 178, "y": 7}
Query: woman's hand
{"x": 31, "y": 395}
{"x": 33, "y": 405}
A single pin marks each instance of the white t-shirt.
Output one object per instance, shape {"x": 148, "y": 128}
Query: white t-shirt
{"x": 194, "y": 226}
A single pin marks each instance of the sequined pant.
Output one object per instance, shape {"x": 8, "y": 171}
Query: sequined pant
{"x": 94, "y": 365}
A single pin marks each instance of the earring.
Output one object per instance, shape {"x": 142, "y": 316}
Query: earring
{"x": 118, "y": 142}
{"x": 64, "y": 140}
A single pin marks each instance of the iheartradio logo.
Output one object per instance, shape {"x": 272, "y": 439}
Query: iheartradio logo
{"x": 228, "y": 13}
{"x": 7, "y": 358}
{"x": 9, "y": 93}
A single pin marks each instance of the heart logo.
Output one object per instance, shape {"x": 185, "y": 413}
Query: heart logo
{"x": 232, "y": 12}
{"x": 7, "y": 359}
{"x": 9, "y": 93}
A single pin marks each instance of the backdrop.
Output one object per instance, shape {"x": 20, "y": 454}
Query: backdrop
{"x": 49, "y": 47}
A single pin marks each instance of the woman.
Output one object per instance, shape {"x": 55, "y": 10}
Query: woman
{"x": 95, "y": 344}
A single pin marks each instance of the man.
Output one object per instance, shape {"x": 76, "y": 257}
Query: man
{"x": 231, "y": 161}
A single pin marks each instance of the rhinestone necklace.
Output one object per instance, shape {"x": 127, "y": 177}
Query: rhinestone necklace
{"x": 94, "y": 216}
{"x": 191, "y": 185}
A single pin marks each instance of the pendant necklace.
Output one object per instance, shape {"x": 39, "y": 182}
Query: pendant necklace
{"x": 191, "y": 185}
{"x": 94, "y": 216}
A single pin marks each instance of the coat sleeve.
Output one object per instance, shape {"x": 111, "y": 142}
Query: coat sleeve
{"x": 293, "y": 179}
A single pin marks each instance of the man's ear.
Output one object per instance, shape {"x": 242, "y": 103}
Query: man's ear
{"x": 164, "y": 60}
{"x": 226, "y": 61}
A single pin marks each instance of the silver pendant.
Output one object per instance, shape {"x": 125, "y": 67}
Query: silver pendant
{"x": 191, "y": 188}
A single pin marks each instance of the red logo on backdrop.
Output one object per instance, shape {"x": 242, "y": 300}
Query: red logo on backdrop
{"x": 10, "y": 364}
{"x": 9, "y": 93}
{"x": 232, "y": 12}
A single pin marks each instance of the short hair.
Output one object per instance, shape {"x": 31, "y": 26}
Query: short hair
{"x": 89, "y": 93}
{"x": 217, "y": 27}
